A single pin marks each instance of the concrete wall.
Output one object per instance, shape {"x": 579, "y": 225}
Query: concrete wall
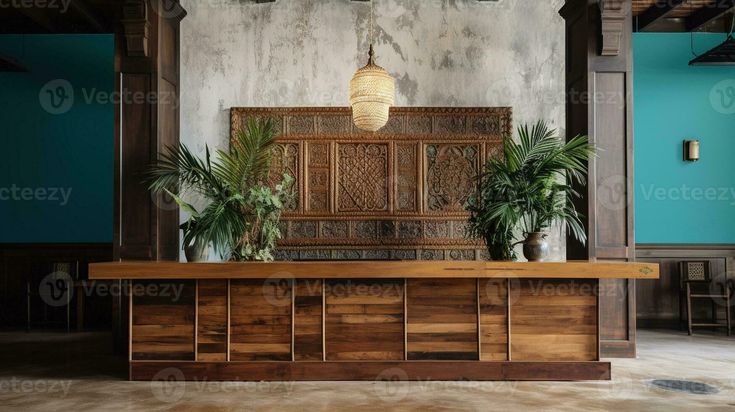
{"x": 304, "y": 52}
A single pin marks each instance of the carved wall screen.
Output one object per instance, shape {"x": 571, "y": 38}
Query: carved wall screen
{"x": 394, "y": 194}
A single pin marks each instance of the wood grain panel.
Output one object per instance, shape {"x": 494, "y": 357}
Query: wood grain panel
{"x": 260, "y": 319}
{"x": 163, "y": 321}
{"x": 441, "y": 317}
{"x": 374, "y": 270}
{"x": 493, "y": 295}
{"x": 553, "y": 320}
{"x": 308, "y": 320}
{"x": 212, "y": 320}
{"x": 364, "y": 320}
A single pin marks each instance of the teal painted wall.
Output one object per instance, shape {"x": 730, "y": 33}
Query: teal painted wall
{"x": 677, "y": 201}
{"x": 56, "y": 173}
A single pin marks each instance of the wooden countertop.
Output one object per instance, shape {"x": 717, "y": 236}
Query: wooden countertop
{"x": 373, "y": 269}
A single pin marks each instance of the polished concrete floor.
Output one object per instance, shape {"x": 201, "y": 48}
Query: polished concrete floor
{"x": 59, "y": 372}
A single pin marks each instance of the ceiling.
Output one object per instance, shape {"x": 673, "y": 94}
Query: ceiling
{"x": 683, "y": 15}
{"x": 81, "y": 16}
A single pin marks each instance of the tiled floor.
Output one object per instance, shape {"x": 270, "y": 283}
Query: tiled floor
{"x": 58, "y": 372}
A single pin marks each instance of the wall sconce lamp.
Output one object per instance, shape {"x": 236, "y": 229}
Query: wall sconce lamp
{"x": 691, "y": 150}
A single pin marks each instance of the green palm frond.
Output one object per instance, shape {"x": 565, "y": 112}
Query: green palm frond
{"x": 530, "y": 188}
{"x": 242, "y": 212}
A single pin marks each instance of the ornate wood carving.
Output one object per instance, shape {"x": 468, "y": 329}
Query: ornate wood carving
{"x": 613, "y": 20}
{"x": 363, "y": 177}
{"x": 136, "y": 25}
{"x": 394, "y": 194}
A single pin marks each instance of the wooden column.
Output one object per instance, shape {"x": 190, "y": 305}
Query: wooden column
{"x": 599, "y": 104}
{"x": 147, "y": 120}
{"x": 147, "y": 87}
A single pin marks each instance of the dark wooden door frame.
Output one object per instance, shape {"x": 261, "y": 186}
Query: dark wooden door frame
{"x": 146, "y": 121}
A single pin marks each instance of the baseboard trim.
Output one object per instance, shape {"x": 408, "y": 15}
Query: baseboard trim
{"x": 369, "y": 371}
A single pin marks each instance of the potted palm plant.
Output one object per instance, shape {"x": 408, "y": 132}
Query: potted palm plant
{"x": 529, "y": 189}
{"x": 242, "y": 214}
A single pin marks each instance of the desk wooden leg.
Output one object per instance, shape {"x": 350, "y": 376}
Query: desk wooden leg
{"x": 80, "y": 309}
{"x": 728, "y": 308}
{"x": 689, "y": 307}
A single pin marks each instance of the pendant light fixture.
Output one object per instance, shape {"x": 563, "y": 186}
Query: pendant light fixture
{"x": 372, "y": 92}
{"x": 721, "y": 55}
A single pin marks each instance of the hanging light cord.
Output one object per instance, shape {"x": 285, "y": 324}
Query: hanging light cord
{"x": 372, "y": 37}
{"x": 370, "y": 52}
{"x": 732, "y": 25}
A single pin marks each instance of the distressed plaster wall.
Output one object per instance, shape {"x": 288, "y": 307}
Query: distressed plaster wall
{"x": 304, "y": 52}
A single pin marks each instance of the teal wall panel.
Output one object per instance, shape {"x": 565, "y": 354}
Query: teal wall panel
{"x": 56, "y": 139}
{"x": 678, "y": 201}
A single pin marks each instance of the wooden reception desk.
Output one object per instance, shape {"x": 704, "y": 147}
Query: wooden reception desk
{"x": 360, "y": 320}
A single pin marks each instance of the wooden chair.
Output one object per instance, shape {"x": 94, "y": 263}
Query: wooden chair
{"x": 697, "y": 282}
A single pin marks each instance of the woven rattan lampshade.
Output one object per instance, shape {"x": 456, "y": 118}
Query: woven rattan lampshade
{"x": 372, "y": 93}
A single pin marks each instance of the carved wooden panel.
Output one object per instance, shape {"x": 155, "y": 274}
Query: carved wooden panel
{"x": 363, "y": 177}
{"x": 394, "y": 194}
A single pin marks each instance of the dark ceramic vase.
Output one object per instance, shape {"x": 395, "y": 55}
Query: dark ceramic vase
{"x": 197, "y": 252}
{"x": 535, "y": 247}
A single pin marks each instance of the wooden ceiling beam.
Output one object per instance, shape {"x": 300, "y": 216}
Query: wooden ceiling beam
{"x": 658, "y": 11}
{"x": 708, "y": 14}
